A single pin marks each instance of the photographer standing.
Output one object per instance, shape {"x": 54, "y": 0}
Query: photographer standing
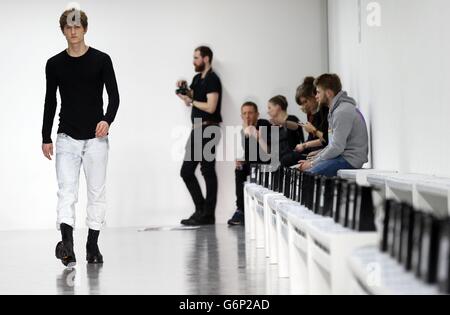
{"x": 205, "y": 97}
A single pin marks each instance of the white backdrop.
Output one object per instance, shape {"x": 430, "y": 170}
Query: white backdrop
{"x": 400, "y": 74}
{"x": 262, "y": 48}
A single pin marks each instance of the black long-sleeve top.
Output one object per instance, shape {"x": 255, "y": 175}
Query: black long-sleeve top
{"x": 290, "y": 138}
{"x": 80, "y": 81}
{"x": 320, "y": 121}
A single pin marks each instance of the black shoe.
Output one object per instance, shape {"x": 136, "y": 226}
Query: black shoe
{"x": 192, "y": 219}
{"x": 93, "y": 255}
{"x": 64, "y": 250}
{"x": 202, "y": 220}
{"x": 237, "y": 219}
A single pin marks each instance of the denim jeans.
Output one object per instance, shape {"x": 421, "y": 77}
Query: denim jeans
{"x": 71, "y": 154}
{"x": 330, "y": 168}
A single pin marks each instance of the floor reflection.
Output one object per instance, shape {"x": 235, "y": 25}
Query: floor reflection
{"x": 93, "y": 272}
{"x": 203, "y": 267}
{"x": 66, "y": 281}
{"x": 210, "y": 260}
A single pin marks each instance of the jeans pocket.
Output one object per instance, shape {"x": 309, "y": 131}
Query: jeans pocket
{"x": 104, "y": 141}
{"x": 63, "y": 143}
{"x": 61, "y": 137}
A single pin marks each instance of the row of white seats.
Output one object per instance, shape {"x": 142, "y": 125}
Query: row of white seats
{"x": 426, "y": 192}
{"x": 322, "y": 257}
{"x": 374, "y": 272}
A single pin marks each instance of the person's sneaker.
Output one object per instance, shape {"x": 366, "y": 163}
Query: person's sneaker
{"x": 237, "y": 219}
{"x": 93, "y": 255}
{"x": 65, "y": 253}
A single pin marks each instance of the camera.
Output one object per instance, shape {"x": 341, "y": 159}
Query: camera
{"x": 183, "y": 89}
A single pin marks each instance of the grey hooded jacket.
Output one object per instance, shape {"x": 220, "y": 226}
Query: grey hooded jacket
{"x": 348, "y": 135}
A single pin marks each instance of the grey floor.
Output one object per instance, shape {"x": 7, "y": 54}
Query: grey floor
{"x": 209, "y": 260}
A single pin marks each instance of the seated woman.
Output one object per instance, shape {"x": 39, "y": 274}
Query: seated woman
{"x": 316, "y": 127}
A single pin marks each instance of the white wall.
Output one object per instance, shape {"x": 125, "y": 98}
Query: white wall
{"x": 400, "y": 74}
{"x": 262, "y": 48}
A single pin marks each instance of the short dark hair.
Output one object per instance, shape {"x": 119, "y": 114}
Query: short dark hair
{"x": 306, "y": 90}
{"x": 329, "y": 81}
{"x": 63, "y": 18}
{"x": 205, "y": 51}
{"x": 250, "y": 104}
{"x": 280, "y": 100}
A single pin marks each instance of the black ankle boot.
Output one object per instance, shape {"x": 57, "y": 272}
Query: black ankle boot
{"x": 64, "y": 250}
{"x": 93, "y": 255}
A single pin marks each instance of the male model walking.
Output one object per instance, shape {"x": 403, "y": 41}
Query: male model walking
{"x": 80, "y": 72}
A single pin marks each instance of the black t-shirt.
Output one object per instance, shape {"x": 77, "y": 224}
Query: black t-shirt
{"x": 320, "y": 121}
{"x": 201, "y": 88}
{"x": 289, "y": 139}
{"x": 261, "y": 157}
{"x": 80, "y": 81}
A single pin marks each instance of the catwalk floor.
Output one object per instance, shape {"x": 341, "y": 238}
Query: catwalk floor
{"x": 209, "y": 260}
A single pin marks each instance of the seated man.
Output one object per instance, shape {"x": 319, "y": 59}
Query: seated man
{"x": 348, "y": 138}
{"x": 251, "y": 124}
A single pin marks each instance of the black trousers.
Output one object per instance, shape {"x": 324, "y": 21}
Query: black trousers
{"x": 240, "y": 178}
{"x": 205, "y": 205}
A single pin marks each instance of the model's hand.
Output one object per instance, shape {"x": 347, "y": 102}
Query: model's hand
{"x": 239, "y": 164}
{"x": 102, "y": 129}
{"x": 47, "y": 149}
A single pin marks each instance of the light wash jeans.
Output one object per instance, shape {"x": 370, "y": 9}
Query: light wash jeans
{"x": 330, "y": 168}
{"x": 71, "y": 154}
